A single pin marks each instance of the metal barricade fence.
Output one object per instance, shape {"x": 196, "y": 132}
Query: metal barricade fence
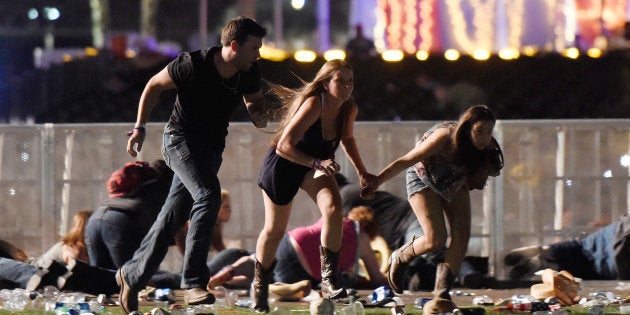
{"x": 560, "y": 178}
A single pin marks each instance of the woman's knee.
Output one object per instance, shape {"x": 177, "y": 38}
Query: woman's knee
{"x": 435, "y": 241}
{"x": 272, "y": 234}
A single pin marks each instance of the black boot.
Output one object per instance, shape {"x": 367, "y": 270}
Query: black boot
{"x": 259, "y": 290}
{"x": 330, "y": 274}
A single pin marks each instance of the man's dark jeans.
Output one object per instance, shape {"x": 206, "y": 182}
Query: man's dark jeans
{"x": 196, "y": 167}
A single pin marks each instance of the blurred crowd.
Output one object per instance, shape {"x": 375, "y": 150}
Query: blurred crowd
{"x": 102, "y": 89}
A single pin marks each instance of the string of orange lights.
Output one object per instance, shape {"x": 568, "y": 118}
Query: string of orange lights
{"x": 471, "y": 25}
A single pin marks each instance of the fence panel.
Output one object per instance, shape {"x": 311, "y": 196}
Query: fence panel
{"x": 561, "y": 178}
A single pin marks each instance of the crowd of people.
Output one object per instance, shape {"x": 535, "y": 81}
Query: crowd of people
{"x": 179, "y": 201}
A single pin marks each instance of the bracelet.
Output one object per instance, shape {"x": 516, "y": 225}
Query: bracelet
{"x": 317, "y": 164}
{"x": 139, "y": 129}
{"x": 140, "y": 125}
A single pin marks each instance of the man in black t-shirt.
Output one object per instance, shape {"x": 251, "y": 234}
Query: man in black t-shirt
{"x": 394, "y": 214}
{"x": 210, "y": 84}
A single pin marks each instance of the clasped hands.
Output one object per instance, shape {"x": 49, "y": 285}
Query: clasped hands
{"x": 369, "y": 184}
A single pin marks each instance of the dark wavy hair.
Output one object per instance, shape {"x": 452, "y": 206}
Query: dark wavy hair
{"x": 465, "y": 152}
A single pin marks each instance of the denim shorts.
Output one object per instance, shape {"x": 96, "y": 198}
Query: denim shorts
{"x": 414, "y": 183}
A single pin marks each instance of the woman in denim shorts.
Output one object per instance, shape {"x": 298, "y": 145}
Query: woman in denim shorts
{"x": 439, "y": 172}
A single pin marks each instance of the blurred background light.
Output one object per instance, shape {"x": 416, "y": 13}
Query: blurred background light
{"x": 91, "y": 51}
{"x": 572, "y": 53}
{"x": 272, "y": 53}
{"x": 607, "y": 174}
{"x": 297, "y": 4}
{"x": 334, "y": 54}
{"x": 392, "y": 55}
{"x": 32, "y": 14}
{"x": 530, "y": 51}
{"x": 481, "y": 54}
{"x": 594, "y": 52}
{"x": 422, "y": 55}
{"x": 509, "y": 53}
{"x": 52, "y": 13}
{"x": 451, "y": 54}
{"x": 305, "y": 56}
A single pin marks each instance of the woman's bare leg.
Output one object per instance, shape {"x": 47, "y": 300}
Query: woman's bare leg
{"x": 325, "y": 192}
{"x": 428, "y": 208}
{"x": 276, "y": 221}
{"x": 458, "y": 213}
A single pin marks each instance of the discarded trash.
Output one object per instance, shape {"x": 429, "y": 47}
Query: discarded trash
{"x": 483, "y": 300}
{"x": 381, "y": 293}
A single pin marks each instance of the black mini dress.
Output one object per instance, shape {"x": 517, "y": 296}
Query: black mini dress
{"x": 281, "y": 178}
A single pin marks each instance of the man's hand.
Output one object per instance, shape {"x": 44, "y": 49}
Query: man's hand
{"x": 136, "y": 139}
{"x": 259, "y": 118}
{"x": 258, "y": 114}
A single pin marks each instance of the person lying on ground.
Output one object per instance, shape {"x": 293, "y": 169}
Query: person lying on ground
{"x": 295, "y": 262}
{"x": 601, "y": 255}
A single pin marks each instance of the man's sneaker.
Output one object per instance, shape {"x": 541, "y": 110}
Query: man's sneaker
{"x": 196, "y": 296}
{"x": 128, "y": 297}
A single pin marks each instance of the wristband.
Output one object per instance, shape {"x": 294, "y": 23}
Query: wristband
{"x": 138, "y": 129}
{"x": 140, "y": 125}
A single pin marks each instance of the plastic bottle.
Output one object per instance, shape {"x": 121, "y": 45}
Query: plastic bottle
{"x": 18, "y": 300}
{"x": 38, "y": 303}
{"x": 521, "y": 302}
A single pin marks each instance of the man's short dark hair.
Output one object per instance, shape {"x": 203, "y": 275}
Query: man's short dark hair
{"x": 239, "y": 28}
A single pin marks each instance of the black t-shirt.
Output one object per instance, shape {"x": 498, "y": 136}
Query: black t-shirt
{"x": 205, "y": 101}
{"x": 393, "y": 214}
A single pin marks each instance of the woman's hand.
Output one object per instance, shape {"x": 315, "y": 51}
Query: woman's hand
{"x": 325, "y": 167}
{"x": 369, "y": 184}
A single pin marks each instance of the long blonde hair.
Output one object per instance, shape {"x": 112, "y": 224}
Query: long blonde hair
{"x": 292, "y": 99}
{"x": 76, "y": 236}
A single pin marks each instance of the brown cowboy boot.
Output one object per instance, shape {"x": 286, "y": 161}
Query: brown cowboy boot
{"x": 259, "y": 290}
{"x": 398, "y": 262}
{"x": 330, "y": 274}
{"x": 441, "y": 302}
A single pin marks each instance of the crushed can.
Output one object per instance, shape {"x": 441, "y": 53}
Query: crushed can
{"x": 381, "y": 293}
